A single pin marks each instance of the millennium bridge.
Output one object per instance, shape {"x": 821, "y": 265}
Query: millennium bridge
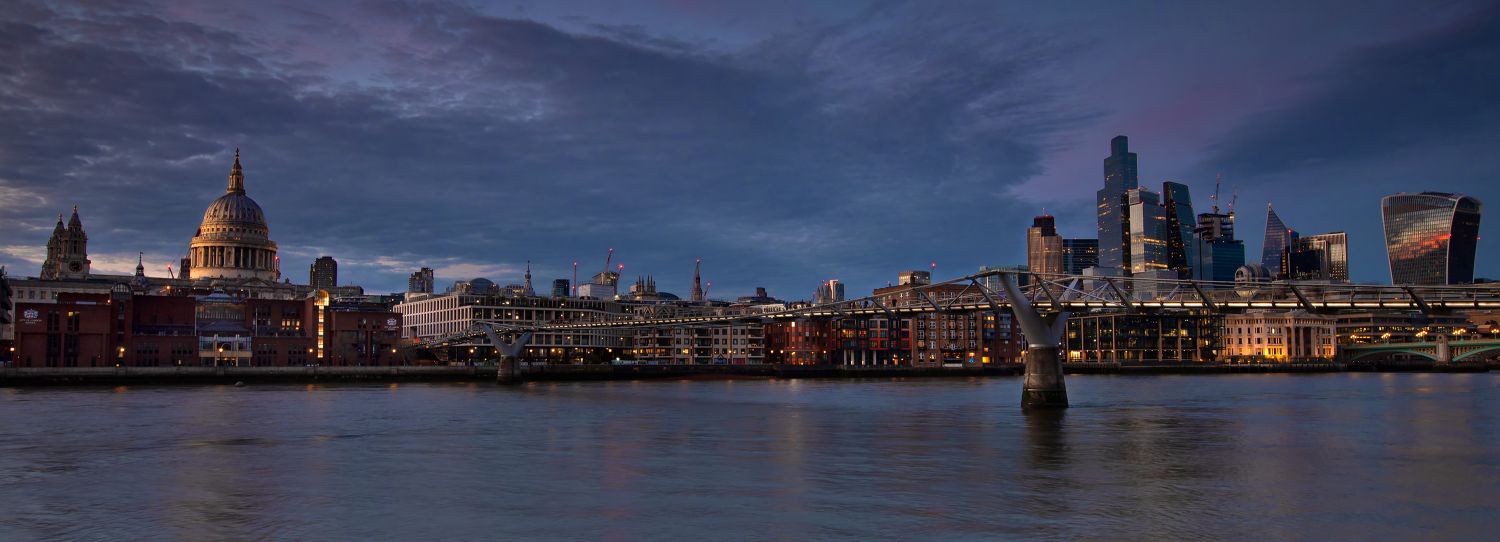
{"x": 1041, "y": 308}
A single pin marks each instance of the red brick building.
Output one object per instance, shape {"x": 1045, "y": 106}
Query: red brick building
{"x": 79, "y": 330}
{"x": 802, "y": 342}
{"x": 359, "y": 335}
{"x": 106, "y": 330}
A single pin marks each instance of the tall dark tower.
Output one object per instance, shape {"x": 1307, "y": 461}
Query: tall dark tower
{"x": 1182, "y": 252}
{"x": 697, "y": 281}
{"x": 1114, "y": 210}
{"x": 67, "y": 251}
{"x": 324, "y": 273}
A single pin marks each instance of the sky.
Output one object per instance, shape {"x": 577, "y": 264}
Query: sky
{"x": 782, "y": 142}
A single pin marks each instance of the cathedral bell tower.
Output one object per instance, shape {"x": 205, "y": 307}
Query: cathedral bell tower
{"x": 67, "y": 251}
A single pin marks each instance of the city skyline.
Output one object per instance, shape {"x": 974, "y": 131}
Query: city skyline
{"x": 362, "y": 195}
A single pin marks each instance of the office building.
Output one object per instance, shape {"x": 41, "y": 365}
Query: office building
{"x": 1279, "y": 336}
{"x": 420, "y": 282}
{"x": 1079, "y": 254}
{"x": 830, "y": 291}
{"x": 1138, "y": 337}
{"x": 560, "y": 288}
{"x": 914, "y": 277}
{"x": 1148, "y": 231}
{"x": 1120, "y": 176}
{"x": 1182, "y": 251}
{"x": 1044, "y": 250}
{"x": 1320, "y": 257}
{"x": 1276, "y": 248}
{"x": 324, "y": 273}
{"x": 1431, "y": 237}
{"x": 1219, "y": 254}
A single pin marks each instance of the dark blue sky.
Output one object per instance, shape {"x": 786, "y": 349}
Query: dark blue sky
{"x": 783, "y": 142}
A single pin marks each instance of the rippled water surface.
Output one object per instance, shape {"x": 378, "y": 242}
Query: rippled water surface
{"x": 1344, "y": 456}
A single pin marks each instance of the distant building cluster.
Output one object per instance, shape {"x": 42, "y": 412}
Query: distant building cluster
{"x": 1431, "y": 238}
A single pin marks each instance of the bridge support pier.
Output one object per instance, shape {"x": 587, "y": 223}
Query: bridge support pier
{"x": 1444, "y": 351}
{"x": 509, "y": 364}
{"x": 1044, "y": 387}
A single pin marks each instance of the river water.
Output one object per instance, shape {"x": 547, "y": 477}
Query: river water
{"x": 1253, "y": 457}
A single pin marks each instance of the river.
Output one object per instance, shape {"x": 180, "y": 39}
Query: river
{"x": 1252, "y": 457}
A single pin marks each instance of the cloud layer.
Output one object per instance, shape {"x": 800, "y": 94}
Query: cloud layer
{"x": 782, "y": 148}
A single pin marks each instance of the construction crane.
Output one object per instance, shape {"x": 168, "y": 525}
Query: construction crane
{"x": 608, "y": 258}
{"x": 1218, "y": 180}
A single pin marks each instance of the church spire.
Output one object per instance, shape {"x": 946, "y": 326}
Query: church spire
{"x": 697, "y": 281}
{"x": 236, "y": 176}
{"x": 140, "y": 264}
{"x": 529, "y": 292}
{"x": 74, "y": 224}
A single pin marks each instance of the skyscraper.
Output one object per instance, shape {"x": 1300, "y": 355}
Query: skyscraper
{"x": 1275, "y": 250}
{"x": 1044, "y": 250}
{"x": 1113, "y": 208}
{"x": 1182, "y": 252}
{"x": 830, "y": 291}
{"x": 1147, "y": 233}
{"x": 420, "y": 282}
{"x": 323, "y": 273}
{"x": 914, "y": 277}
{"x": 1431, "y": 237}
{"x": 560, "y": 287}
{"x": 1219, "y": 253}
{"x": 1320, "y": 257}
{"x": 1079, "y": 254}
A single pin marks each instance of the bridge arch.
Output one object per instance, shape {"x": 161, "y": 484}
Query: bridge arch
{"x": 1482, "y": 350}
{"x": 1362, "y": 353}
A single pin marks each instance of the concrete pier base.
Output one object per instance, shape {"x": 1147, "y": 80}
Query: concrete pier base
{"x": 1044, "y": 387}
{"x": 1044, "y": 374}
{"x": 508, "y": 371}
{"x": 510, "y": 354}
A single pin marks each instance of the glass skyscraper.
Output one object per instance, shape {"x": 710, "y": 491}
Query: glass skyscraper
{"x": 1274, "y": 251}
{"x": 1320, "y": 257}
{"x": 1148, "y": 231}
{"x": 1182, "y": 252}
{"x": 1430, "y": 238}
{"x": 1114, "y": 215}
{"x": 1080, "y": 254}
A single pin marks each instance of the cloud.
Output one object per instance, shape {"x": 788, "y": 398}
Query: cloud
{"x": 849, "y": 143}
{"x": 469, "y": 135}
{"x": 1410, "y": 115}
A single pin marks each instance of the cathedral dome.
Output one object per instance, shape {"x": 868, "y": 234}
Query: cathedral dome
{"x": 235, "y": 210}
{"x": 233, "y": 241}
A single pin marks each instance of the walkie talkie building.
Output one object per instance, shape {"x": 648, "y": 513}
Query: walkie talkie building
{"x": 1431, "y": 237}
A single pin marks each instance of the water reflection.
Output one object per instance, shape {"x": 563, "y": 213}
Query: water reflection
{"x": 1336, "y": 456}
